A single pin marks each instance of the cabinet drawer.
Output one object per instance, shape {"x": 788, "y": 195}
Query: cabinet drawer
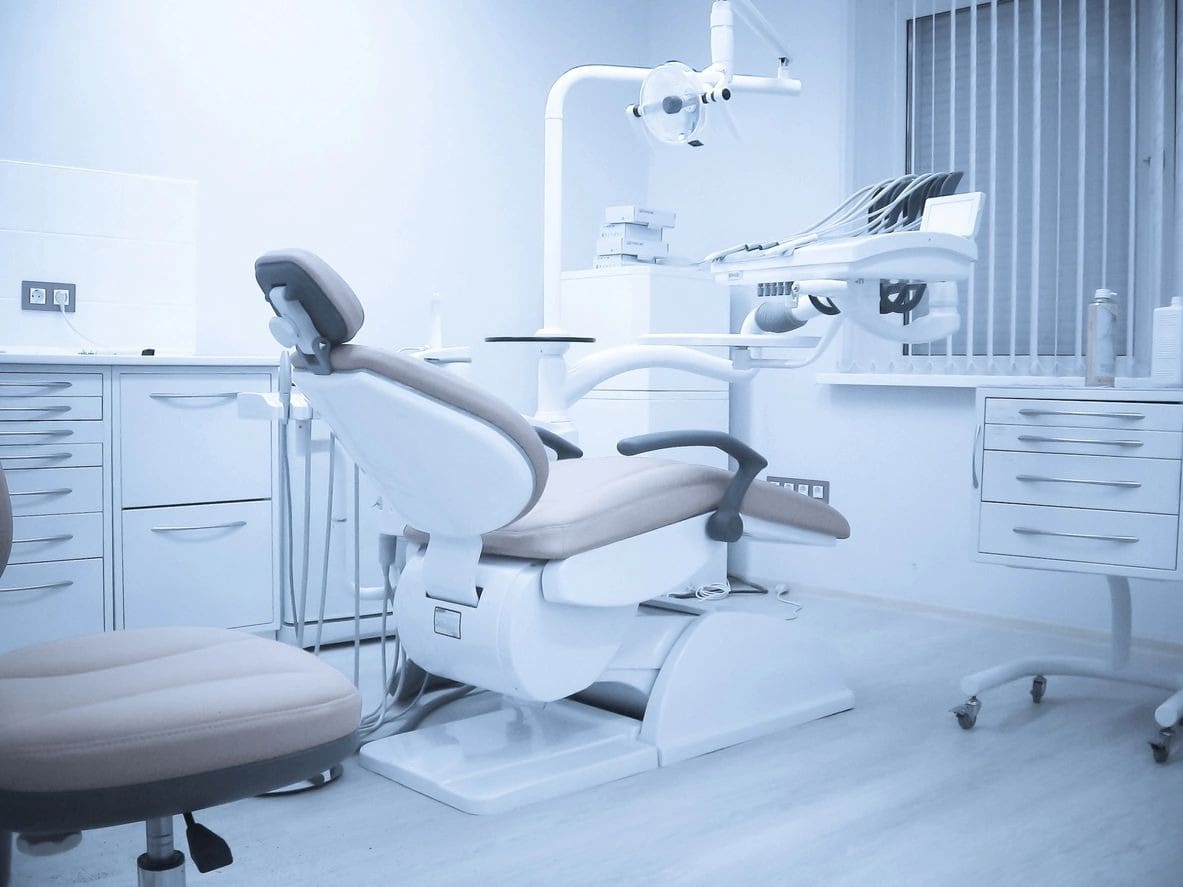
{"x": 182, "y": 440}
{"x": 42, "y": 384}
{"x": 12, "y": 432}
{"x": 1085, "y": 413}
{"x": 45, "y": 602}
{"x": 40, "y": 409}
{"x": 55, "y": 490}
{"x": 1082, "y": 481}
{"x": 59, "y": 456}
{"x": 198, "y": 565}
{"x": 56, "y": 537}
{"x": 1115, "y": 538}
{"x": 1089, "y": 442}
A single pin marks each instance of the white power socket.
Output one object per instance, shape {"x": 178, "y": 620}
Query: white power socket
{"x": 61, "y": 297}
{"x": 37, "y": 295}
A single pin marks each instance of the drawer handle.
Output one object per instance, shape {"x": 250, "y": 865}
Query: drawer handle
{"x": 231, "y": 525}
{"x": 36, "y": 384}
{"x": 1030, "y": 411}
{"x": 56, "y": 408}
{"x": 973, "y": 458}
{"x": 218, "y": 395}
{"x": 65, "y": 583}
{"x": 51, "y": 432}
{"x": 1039, "y": 438}
{"x": 1038, "y": 478}
{"x": 44, "y": 456}
{"x": 1030, "y": 531}
{"x": 64, "y": 537}
{"x": 60, "y": 491}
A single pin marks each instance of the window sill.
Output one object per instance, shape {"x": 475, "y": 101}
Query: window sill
{"x": 950, "y": 380}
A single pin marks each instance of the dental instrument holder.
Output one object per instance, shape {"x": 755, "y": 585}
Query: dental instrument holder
{"x": 726, "y": 524}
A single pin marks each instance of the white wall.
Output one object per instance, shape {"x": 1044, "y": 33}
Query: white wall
{"x": 403, "y": 141}
{"x": 126, "y": 241}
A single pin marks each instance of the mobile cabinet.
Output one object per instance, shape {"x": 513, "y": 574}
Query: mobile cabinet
{"x": 139, "y": 498}
{"x": 1081, "y": 480}
{"x": 54, "y": 448}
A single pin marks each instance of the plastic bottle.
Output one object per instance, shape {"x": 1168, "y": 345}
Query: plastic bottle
{"x": 1166, "y": 356}
{"x": 1100, "y": 365}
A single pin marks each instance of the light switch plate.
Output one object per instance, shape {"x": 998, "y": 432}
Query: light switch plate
{"x": 38, "y": 295}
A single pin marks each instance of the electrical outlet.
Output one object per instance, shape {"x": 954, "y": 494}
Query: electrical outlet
{"x": 40, "y": 295}
{"x": 815, "y": 489}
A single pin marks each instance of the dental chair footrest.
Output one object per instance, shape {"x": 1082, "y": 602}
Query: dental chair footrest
{"x": 514, "y": 755}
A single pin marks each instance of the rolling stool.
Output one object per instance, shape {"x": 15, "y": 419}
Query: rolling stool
{"x": 130, "y": 726}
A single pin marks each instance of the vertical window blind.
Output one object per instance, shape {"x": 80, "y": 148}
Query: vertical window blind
{"x": 1059, "y": 111}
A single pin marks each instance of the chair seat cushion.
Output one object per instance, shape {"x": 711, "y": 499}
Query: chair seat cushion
{"x": 589, "y": 503}
{"x": 133, "y": 707}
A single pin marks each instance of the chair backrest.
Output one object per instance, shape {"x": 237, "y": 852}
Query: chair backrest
{"x": 453, "y": 459}
{"x": 5, "y": 523}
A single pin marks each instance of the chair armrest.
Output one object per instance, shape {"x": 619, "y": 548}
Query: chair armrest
{"x": 725, "y": 525}
{"x": 562, "y": 447}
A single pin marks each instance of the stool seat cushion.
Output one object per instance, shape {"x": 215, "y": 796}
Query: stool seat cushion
{"x": 132, "y": 707}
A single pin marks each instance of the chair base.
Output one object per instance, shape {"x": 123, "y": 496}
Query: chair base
{"x": 685, "y": 685}
{"x": 515, "y": 755}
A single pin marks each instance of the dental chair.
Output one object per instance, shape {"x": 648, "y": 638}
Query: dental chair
{"x": 143, "y": 725}
{"x": 535, "y": 579}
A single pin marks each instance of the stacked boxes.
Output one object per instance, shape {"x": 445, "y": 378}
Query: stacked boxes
{"x": 632, "y": 236}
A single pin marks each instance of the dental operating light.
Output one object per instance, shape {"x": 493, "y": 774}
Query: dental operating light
{"x": 675, "y": 98}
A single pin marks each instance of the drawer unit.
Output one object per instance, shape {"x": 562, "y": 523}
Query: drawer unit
{"x": 57, "y": 537}
{"x": 1081, "y": 480}
{"x": 34, "y": 384}
{"x": 183, "y": 441}
{"x": 1111, "y": 538}
{"x": 198, "y": 565}
{"x": 40, "y": 409}
{"x": 1090, "y": 442}
{"x": 63, "y": 455}
{"x": 1125, "y": 415}
{"x": 26, "y": 433}
{"x": 55, "y": 490}
{"x": 1101, "y": 482}
{"x": 46, "y": 601}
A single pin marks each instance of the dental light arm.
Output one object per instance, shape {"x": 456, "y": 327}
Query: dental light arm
{"x": 679, "y": 110}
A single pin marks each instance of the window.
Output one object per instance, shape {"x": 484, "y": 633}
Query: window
{"x": 1062, "y": 112}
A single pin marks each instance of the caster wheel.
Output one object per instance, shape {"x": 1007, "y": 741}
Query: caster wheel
{"x": 967, "y": 713}
{"x": 1161, "y": 747}
{"x": 1038, "y": 687}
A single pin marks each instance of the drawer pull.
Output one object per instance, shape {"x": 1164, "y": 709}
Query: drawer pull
{"x": 64, "y": 537}
{"x": 43, "y": 456}
{"x": 60, "y": 491}
{"x": 1037, "y": 478}
{"x": 36, "y": 384}
{"x": 230, "y": 525}
{"x": 55, "y": 408}
{"x": 1030, "y": 531}
{"x": 1039, "y": 438}
{"x": 65, "y": 583}
{"x": 1031, "y": 411}
{"x": 218, "y": 395}
{"x": 51, "y": 432}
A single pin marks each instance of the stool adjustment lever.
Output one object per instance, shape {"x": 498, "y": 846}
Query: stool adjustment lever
{"x": 208, "y": 850}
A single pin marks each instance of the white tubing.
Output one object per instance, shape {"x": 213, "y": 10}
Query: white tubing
{"x": 603, "y": 365}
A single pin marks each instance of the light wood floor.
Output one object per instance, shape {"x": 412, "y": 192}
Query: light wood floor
{"x": 889, "y": 793}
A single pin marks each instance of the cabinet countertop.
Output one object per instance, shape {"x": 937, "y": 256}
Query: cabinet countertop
{"x": 65, "y": 358}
